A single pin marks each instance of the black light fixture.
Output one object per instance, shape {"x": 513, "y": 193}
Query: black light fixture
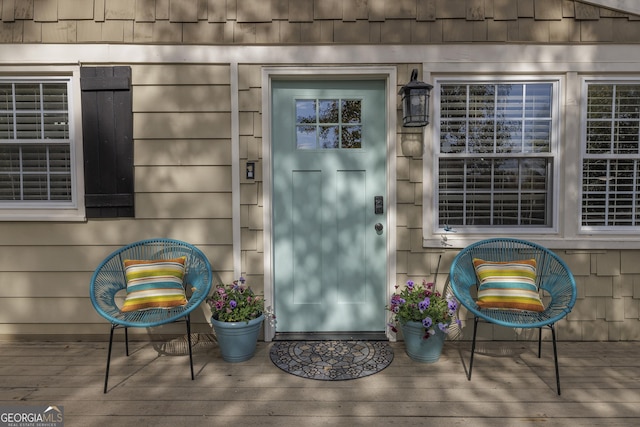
{"x": 415, "y": 102}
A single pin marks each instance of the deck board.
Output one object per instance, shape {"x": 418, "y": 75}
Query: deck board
{"x": 511, "y": 386}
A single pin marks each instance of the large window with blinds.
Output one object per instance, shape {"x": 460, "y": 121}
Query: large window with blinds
{"x": 35, "y": 143}
{"x": 496, "y": 154}
{"x": 611, "y": 156}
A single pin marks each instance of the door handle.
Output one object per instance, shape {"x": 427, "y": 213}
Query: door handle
{"x": 379, "y": 227}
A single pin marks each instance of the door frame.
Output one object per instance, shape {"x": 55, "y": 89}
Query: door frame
{"x": 389, "y": 74}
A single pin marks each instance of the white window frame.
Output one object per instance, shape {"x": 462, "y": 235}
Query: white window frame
{"x": 585, "y": 81}
{"x": 73, "y": 210}
{"x": 436, "y": 233}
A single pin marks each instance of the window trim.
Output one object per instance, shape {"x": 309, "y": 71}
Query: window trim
{"x": 54, "y": 211}
{"x": 584, "y": 86}
{"x": 432, "y": 230}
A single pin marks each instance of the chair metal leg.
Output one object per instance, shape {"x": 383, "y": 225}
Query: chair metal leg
{"x": 539, "y": 342}
{"x": 189, "y": 341}
{"x": 473, "y": 346}
{"x": 126, "y": 340}
{"x": 555, "y": 356}
{"x": 106, "y": 375}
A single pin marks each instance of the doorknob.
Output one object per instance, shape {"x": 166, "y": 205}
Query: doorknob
{"x": 379, "y": 228}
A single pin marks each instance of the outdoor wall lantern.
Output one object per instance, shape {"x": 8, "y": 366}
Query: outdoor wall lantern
{"x": 415, "y": 102}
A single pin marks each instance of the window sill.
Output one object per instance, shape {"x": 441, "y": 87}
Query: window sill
{"x": 551, "y": 242}
{"x": 58, "y": 216}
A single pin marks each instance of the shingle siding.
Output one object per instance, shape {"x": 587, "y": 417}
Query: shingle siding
{"x": 183, "y": 132}
{"x": 313, "y": 21}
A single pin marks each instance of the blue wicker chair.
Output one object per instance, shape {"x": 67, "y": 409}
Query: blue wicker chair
{"x": 554, "y": 280}
{"x": 109, "y": 280}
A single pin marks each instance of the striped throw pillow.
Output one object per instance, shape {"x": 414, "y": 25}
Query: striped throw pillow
{"x": 508, "y": 285}
{"x": 154, "y": 284}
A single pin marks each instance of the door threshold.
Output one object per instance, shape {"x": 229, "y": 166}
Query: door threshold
{"x": 330, "y": 336}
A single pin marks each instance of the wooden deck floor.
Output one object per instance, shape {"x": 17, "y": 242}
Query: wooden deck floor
{"x": 510, "y": 387}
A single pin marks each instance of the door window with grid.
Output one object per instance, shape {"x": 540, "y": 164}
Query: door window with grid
{"x": 328, "y": 124}
{"x": 496, "y": 156}
{"x": 611, "y": 157}
{"x": 35, "y": 143}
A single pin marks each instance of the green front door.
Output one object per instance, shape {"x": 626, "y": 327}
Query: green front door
{"x": 329, "y": 205}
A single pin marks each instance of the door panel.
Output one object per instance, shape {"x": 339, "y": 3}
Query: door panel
{"x": 306, "y": 237}
{"x": 351, "y": 234}
{"x": 329, "y": 161}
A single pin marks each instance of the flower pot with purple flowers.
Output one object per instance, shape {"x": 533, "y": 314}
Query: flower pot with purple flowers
{"x": 423, "y": 315}
{"x": 237, "y": 340}
{"x": 419, "y": 348}
{"x": 237, "y": 314}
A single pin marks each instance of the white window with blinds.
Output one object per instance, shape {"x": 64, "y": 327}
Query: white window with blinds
{"x": 496, "y": 155}
{"x": 611, "y": 156}
{"x": 37, "y": 150}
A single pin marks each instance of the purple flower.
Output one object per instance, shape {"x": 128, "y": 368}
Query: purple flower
{"x": 443, "y": 327}
{"x": 427, "y": 322}
{"x": 422, "y": 306}
{"x": 233, "y": 304}
{"x": 219, "y": 305}
{"x": 452, "y": 304}
{"x": 397, "y": 300}
{"x": 410, "y": 284}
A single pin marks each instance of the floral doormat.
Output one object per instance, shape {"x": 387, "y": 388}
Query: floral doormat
{"x": 331, "y": 360}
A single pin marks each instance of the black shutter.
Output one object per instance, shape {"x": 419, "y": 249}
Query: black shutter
{"x": 107, "y": 133}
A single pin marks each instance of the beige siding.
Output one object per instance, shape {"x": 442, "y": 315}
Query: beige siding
{"x": 184, "y": 205}
{"x": 183, "y": 179}
{"x": 312, "y": 21}
{"x": 179, "y": 126}
{"x": 175, "y": 152}
{"x": 20, "y": 237}
{"x": 183, "y": 190}
{"x": 193, "y": 98}
{"x": 183, "y": 143}
{"x": 49, "y": 283}
{"x": 59, "y": 284}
